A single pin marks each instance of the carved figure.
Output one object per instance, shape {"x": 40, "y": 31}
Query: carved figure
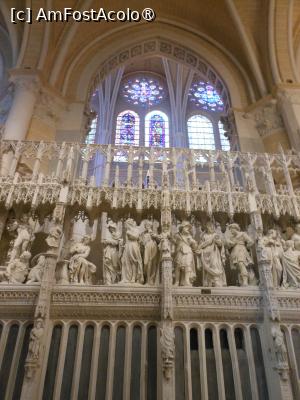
{"x": 291, "y": 265}
{"x": 280, "y": 352}
{"x": 17, "y": 269}
{"x": 131, "y": 261}
{"x": 296, "y": 237}
{"x": 80, "y": 268}
{"x": 273, "y": 250}
{"x": 36, "y": 272}
{"x": 238, "y": 243}
{"x": 151, "y": 266}
{"x": 35, "y": 340}
{"x": 165, "y": 240}
{"x": 53, "y": 239}
{"x": 212, "y": 258}
{"x": 185, "y": 246}
{"x": 23, "y": 237}
{"x": 111, "y": 255}
{"x": 167, "y": 346}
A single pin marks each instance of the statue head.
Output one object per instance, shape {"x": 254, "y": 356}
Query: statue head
{"x": 86, "y": 239}
{"x": 148, "y": 224}
{"x": 272, "y": 233}
{"x": 39, "y": 323}
{"x": 210, "y": 227}
{"x": 234, "y": 229}
{"x": 130, "y": 223}
{"x": 185, "y": 227}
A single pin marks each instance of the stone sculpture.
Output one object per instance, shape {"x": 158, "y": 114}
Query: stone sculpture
{"x": 151, "y": 266}
{"x": 167, "y": 346}
{"x": 17, "y": 269}
{"x": 238, "y": 243}
{"x": 280, "y": 351}
{"x": 36, "y": 272}
{"x": 273, "y": 247}
{"x": 296, "y": 237}
{"x": 291, "y": 265}
{"x": 35, "y": 339}
{"x": 111, "y": 254}
{"x": 212, "y": 258}
{"x": 185, "y": 247}
{"x": 131, "y": 261}
{"x": 53, "y": 239}
{"x": 80, "y": 269}
{"x": 23, "y": 237}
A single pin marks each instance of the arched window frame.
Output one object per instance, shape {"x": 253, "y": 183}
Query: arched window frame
{"x": 219, "y": 138}
{"x": 148, "y": 117}
{"x": 200, "y": 145}
{"x": 136, "y": 141}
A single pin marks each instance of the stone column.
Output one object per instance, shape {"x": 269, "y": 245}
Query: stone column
{"x": 19, "y": 117}
{"x": 289, "y": 105}
{"x": 167, "y": 338}
{"x": 274, "y": 350}
{"x": 39, "y": 333}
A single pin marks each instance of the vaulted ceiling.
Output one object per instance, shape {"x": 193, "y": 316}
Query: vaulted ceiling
{"x": 257, "y": 42}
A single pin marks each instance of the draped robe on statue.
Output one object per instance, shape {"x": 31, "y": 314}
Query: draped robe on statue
{"x": 132, "y": 264}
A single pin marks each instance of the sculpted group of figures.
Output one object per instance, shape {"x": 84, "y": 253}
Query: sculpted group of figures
{"x": 132, "y": 255}
{"x": 138, "y": 259}
{"x": 284, "y": 256}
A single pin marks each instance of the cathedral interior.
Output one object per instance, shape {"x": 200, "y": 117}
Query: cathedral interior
{"x": 150, "y": 200}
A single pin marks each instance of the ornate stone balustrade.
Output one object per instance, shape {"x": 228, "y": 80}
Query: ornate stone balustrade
{"x": 120, "y": 176}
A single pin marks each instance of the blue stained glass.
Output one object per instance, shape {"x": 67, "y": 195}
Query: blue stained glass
{"x": 206, "y": 97}
{"x": 127, "y": 132}
{"x": 127, "y": 129}
{"x": 143, "y": 91}
{"x": 157, "y": 134}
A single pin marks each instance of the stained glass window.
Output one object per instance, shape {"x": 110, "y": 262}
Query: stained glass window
{"x": 127, "y": 132}
{"x": 224, "y": 140}
{"x": 200, "y": 133}
{"x": 91, "y": 135}
{"x": 205, "y": 96}
{"x": 156, "y": 129}
{"x": 143, "y": 91}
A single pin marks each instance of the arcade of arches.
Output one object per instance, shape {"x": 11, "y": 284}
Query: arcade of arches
{"x": 150, "y": 202}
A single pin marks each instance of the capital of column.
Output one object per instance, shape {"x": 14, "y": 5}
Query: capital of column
{"x": 26, "y": 80}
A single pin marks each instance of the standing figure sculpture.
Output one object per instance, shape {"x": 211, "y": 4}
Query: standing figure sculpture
{"x": 151, "y": 266}
{"x": 291, "y": 265}
{"x": 111, "y": 254}
{"x": 131, "y": 261}
{"x": 212, "y": 258}
{"x": 35, "y": 340}
{"x": 80, "y": 268}
{"x": 185, "y": 247}
{"x": 273, "y": 245}
{"x": 238, "y": 244}
{"x": 296, "y": 237}
{"x": 23, "y": 237}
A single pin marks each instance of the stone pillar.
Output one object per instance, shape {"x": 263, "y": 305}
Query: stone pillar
{"x": 39, "y": 333}
{"x": 167, "y": 338}
{"x": 274, "y": 350}
{"x": 20, "y": 114}
{"x": 19, "y": 117}
{"x": 289, "y": 105}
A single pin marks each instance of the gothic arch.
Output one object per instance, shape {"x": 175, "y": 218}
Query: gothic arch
{"x": 81, "y": 77}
